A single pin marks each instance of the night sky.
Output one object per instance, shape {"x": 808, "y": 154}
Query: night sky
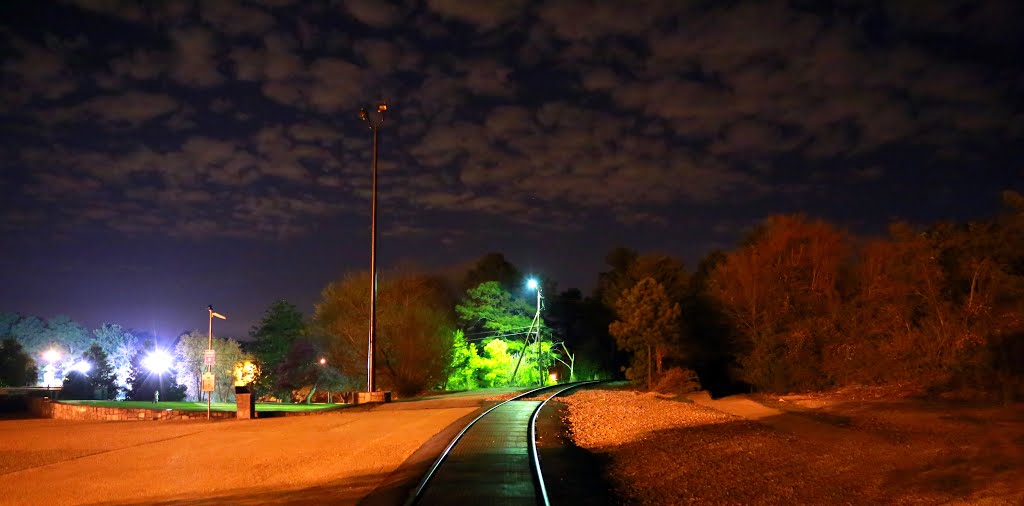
{"x": 160, "y": 158}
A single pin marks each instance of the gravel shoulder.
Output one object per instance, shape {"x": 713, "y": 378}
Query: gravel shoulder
{"x": 663, "y": 450}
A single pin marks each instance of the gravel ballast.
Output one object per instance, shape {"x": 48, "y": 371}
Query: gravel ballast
{"x": 666, "y": 451}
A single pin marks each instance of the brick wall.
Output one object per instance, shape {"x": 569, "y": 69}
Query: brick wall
{"x": 45, "y": 408}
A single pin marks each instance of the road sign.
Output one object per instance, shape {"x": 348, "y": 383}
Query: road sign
{"x": 209, "y": 357}
{"x": 208, "y": 379}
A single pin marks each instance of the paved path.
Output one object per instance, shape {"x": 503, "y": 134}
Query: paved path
{"x": 337, "y": 458}
{"x": 490, "y": 465}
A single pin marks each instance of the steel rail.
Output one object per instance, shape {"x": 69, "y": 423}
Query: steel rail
{"x": 533, "y": 440}
{"x": 441, "y": 458}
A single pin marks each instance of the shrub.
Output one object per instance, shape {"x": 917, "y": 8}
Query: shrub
{"x": 677, "y": 381}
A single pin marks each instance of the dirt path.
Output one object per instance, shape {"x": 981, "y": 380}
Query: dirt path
{"x": 337, "y": 458}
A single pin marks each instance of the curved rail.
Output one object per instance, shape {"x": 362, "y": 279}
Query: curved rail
{"x": 440, "y": 459}
{"x": 533, "y": 440}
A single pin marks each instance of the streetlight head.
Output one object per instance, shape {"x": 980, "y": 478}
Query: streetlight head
{"x": 158, "y": 361}
{"x": 382, "y": 107}
{"x": 82, "y": 366}
{"x": 51, "y": 355}
{"x": 531, "y": 284}
{"x": 218, "y": 315}
{"x": 323, "y": 361}
{"x": 363, "y": 115}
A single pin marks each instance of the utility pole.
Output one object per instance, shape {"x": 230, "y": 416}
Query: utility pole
{"x": 371, "y": 348}
{"x": 533, "y": 285}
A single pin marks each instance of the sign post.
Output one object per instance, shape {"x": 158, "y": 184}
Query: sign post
{"x": 209, "y": 360}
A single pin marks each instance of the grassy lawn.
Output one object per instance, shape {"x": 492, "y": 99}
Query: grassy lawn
{"x": 201, "y": 406}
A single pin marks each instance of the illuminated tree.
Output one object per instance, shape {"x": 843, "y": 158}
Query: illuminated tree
{"x": 68, "y": 335}
{"x": 414, "y": 326}
{"x": 489, "y": 306}
{"x": 120, "y": 346}
{"x": 781, "y": 291}
{"x": 97, "y": 382}
{"x": 461, "y": 372}
{"x": 648, "y": 326}
{"x": 188, "y": 354}
{"x": 273, "y": 337}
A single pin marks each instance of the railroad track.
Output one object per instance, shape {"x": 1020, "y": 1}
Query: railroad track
{"x": 494, "y": 459}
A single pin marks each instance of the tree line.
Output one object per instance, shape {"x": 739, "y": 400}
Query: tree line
{"x": 798, "y": 304}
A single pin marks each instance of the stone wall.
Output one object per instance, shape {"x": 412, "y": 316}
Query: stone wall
{"x": 45, "y": 408}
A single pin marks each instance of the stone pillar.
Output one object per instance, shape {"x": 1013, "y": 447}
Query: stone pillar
{"x": 245, "y": 403}
{"x": 370, "y": 397}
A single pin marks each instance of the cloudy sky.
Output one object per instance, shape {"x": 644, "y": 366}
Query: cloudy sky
{"x": 157, "y": 157}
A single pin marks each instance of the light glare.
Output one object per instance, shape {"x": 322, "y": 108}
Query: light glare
{"x": 51, "y": 355}
{"x": 531, "y": 284}
{"x": 82, "y": 366}
{"x": 157, "y": 361}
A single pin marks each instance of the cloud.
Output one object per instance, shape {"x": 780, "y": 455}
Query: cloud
{"x": 234, "y": 19}
{"x": 40, "y": 72}
{"x": 376, "y": 13}
{"x": 127, "y": 109}
{"x": 236, "y": 118}
{"x": 195, "y": 61}
{"x": 483, "y": 15}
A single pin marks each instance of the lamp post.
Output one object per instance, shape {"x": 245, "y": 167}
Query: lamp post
{"x": 209, "y": 350}
{"x": 374, "y": 123}
{"x": 323, "y": 363}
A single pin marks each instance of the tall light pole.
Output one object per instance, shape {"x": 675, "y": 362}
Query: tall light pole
{"x": 374, "y": 123}
{"x": 209, "y": 353}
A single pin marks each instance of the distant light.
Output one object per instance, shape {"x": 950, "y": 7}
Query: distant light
{"x": 82, "y": 366}
{"x": 157, "y": 361}
{"x": 323, "y": 360}
{"x": 51, "y": 355}
{"x": 531, "y": 284}
{"x": 554, "y": 377}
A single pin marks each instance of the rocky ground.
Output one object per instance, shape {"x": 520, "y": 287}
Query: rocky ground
{"x": 823, "y": 449}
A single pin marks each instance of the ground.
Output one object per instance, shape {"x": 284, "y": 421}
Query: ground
{"x": 822, "y": 449}
{"x": 335, "y": 458}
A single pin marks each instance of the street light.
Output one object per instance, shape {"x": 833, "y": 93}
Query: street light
{"x": 209, "y": 350}
{"x": 82, "y": 366}
{"x": 374, "y": 122}
{"x": 51, "y": 356}
{"x": 158, "y": 361}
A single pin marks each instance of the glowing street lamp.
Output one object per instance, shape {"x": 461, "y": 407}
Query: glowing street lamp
{"x": 374, "y": 122}
{"x": 158, "y": 361}
{"x": 82, "y": 366}
{"x": 51, "y": 356}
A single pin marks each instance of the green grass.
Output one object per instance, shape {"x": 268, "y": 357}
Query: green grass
{"x": 201, "y": 406}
